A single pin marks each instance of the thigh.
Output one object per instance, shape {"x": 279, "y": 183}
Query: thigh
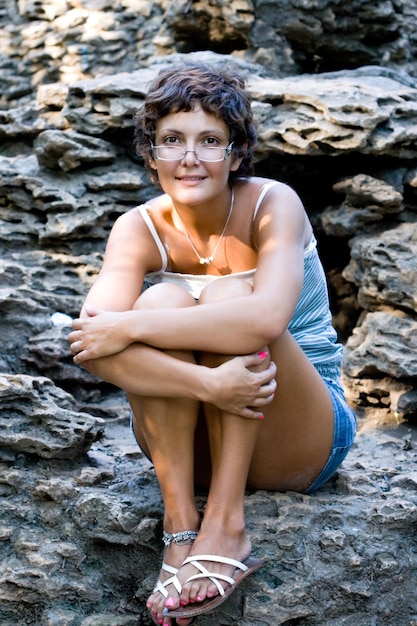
{"x": 296, "y": 436}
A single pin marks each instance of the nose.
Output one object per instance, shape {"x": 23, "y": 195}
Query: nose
{"x": 190, "y": 156}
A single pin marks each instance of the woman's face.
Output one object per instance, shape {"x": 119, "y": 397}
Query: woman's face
{"x": 189, "y": 179}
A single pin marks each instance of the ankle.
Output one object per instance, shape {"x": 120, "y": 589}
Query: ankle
{"x": 182, "y": 538}
{"x": 176, "y": 523}
{"x": 232, "y": 527}
{"x": 230, "y": 519}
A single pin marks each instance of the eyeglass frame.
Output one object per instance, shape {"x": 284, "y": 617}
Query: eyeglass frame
{"x": 227, "y": 152}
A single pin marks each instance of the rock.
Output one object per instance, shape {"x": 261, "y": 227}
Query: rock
{"x": 99, "y": 542}
{"x": 366, "y": 111}
{"x": 368, "y": 201}
{"x": 221, "y": 26}
{"x": 384, "y": 343}
{"x": 335, "y": 97}
{"x": 69, "y": 150}
{"x": 47, "y": 427}
{"x": 382, "y": 265}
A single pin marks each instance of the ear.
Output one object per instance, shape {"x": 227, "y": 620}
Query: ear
{"x": 237, "y": 160}
{"x": 152, "y": 163}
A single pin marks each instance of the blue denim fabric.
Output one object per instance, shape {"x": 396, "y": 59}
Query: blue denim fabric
{"x": 343, "y": 437}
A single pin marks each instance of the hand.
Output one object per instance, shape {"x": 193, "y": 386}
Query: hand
{"x": 98, "y": 335}
{"x": 238, "y": 390}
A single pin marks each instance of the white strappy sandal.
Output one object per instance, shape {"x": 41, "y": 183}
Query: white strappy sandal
{"x": 183, "y": 538}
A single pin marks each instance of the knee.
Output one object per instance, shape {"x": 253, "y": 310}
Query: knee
{"x": 164, "y": 296}
{"x": 223, "y": 288}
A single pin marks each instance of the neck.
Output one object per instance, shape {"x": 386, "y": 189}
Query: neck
{"x": 207, "y": 260}
{"x": 207, "y": 218}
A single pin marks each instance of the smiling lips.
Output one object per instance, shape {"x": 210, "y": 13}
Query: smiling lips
{"x": 190, "y": 178}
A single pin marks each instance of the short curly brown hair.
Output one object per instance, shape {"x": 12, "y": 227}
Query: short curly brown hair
{"x": 218, "y": 90}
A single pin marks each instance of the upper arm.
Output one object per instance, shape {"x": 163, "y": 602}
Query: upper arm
{"x": 130, "y": 253}
{"x": 281, "y": 230}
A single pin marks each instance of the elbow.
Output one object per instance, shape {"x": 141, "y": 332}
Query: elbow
{"x": 271, "y": 329}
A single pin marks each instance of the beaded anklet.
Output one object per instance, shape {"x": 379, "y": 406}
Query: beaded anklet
{"x": 183, "y": 538}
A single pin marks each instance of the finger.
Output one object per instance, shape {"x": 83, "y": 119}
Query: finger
{"x": 81, "y": 357}
{"x": 92, "y": 310}
{"x": 269, "y": 388}
{"x": 250, "y": 412}
{"x": 249, "y": 360}
{"x": 261, "y": 389}
{"x": 267, "y": 375}
{"x": 76, "y": 347}
{"x": 78, "y": 358}
{"x": 77, "y": 324}
{"x": 259, "y": 403}
{"x": 75, "y": 335}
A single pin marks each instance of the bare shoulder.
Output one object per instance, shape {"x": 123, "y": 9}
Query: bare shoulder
{"x": 281, "y": 210}
{"x": 277, "y": 195}
{"x": 130, "y": 235}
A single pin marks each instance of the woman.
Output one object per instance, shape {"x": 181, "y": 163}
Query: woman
{"x": 211, "y": 311}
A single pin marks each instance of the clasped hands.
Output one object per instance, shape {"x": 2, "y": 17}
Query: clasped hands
{"x": 236, "y": 386}
{"x": 98, "y": 335}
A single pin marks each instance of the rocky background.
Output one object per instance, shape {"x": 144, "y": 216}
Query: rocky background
{"x": 335, "y": 97}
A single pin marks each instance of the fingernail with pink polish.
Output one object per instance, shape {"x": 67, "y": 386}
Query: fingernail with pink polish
{"x": 261, "y": 417}
{"x": 262, "y": 354}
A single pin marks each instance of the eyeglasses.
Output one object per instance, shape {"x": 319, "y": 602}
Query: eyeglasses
{"x": 204, "y": 153}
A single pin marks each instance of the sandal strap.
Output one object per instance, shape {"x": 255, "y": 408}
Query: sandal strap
{"x": 169, "y": 568}
{"x": 214, "y": 579}
{"x": 216, "y": 559}
{"x": 182, "y": 538}
{"x": 213, "y": 576}
{"x": 173, "y": 580}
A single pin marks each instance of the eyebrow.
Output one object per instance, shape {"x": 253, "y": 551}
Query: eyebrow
{"x": 208, "y": 131}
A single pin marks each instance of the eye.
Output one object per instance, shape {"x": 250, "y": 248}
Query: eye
{"x": 171, "y": 140}
{"x": 210, "y": 141}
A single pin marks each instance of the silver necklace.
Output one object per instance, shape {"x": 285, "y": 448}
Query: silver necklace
{"x": 206, "y": 260}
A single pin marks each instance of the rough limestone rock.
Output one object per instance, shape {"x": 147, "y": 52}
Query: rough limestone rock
{"x": 384, "y": 343}
{"x": 383, "y": 266}
{"x": 368, "y": 201}
{"x": 81, "y": 540}
{"x": 368, "y": 111}
{"x": 69, "y": 150}
{"x": 48, "y": 427}
{"x": 335, "y": 98}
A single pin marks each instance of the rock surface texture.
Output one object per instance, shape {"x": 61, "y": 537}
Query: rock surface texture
{"x": 335, "y": 97}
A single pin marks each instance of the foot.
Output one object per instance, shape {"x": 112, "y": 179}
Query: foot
{"x": 212, "y": 539}
{"x": 178, "y": 546}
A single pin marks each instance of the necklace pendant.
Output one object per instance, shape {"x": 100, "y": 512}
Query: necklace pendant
{"x": 205, "y": 260}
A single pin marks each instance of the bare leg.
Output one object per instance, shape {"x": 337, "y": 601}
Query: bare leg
{"x": 285, "y": 450}
{"x": 165, "y": 428}
{"x": 232, "y": 440}
{"x": 165, "y": 425}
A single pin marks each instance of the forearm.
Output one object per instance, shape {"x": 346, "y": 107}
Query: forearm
{"x": 145, "y": 371}
{"x": 227, "y": 327}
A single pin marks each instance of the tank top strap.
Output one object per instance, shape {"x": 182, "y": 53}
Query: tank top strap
{"x": 143, "y": 210}
{"x": 264, "y": 190}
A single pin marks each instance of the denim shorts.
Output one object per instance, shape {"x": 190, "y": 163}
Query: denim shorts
{"x": 343, "y": 437}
